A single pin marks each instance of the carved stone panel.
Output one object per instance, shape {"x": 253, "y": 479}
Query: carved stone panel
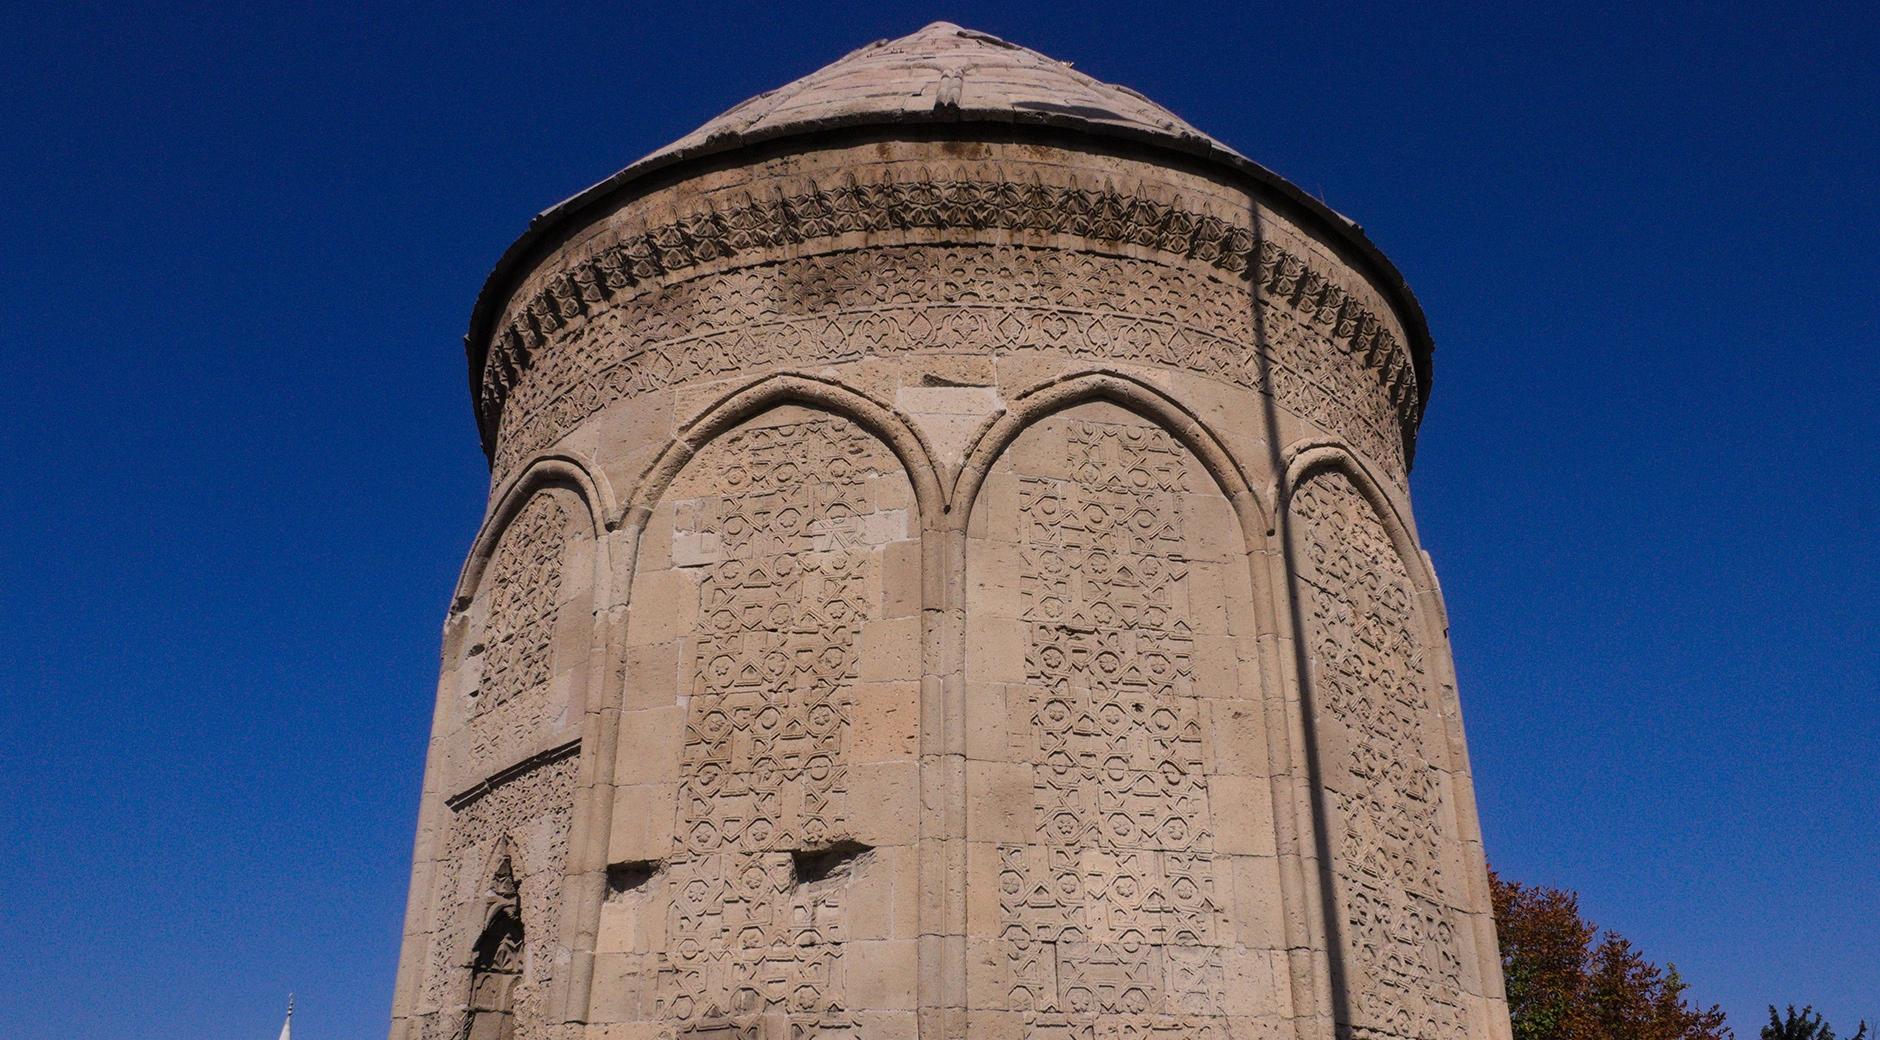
{"x": 1372, "y": 695}
{"x": 511, "y": 703}
{"x": 992, "y": 300}
{"x": 1120, "y": 909}
{"x": 522, "y": 821}
{"x": 786, "y": 696}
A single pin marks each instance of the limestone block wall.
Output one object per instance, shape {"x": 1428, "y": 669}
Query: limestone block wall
{"x": 1121, "y": 858}
{"x": 942, "y": 588}
{"x": 499, "y": 782}
{"x": 768, "y": 782}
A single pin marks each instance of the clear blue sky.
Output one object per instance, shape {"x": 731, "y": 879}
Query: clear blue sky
{"x": 240, "y": 472}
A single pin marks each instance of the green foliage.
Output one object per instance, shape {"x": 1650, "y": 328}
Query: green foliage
{"x": 1802, "y": 1025}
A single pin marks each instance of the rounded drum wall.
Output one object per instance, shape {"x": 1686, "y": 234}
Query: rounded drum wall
{"x": 765, "y": 827}
{"x": 1398, "y": 866}
{"x": 1121, "y": 849}
{"x": 509, "y": 711}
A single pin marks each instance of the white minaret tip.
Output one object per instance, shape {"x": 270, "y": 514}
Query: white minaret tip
{"x": 287, "y": 1027}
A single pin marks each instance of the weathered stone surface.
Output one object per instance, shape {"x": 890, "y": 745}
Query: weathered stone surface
{"x": 941, "y": 73}
{"x": 947, "y": 573}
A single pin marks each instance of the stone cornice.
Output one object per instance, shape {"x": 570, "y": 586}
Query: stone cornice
{"x": 929, "y": 201}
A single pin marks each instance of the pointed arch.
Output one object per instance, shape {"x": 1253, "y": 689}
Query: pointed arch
{"x": 1107, "y": 545}
{"x": 497, "y": 883}
{"x": 1306, "y": 457}
{"x": 888, "y": 424}
{"x": 520, "y": 628}
{"x": 1405, "y": 948}
{"x": 793, "y": 565}
{"x": 1133, "y": 395}
{"x": 572, "y": 657}
{"x": 587, "y": 484}
{"x": 495, "y": 957}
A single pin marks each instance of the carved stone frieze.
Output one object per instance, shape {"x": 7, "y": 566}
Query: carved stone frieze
{"x": 803, "y": 218}
{"x": 990, "y": 300}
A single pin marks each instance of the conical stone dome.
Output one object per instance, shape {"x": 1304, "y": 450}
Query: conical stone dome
{"x": 943, "y": 73}
{"x": 949, "y": 80}
{"x": 948, "y": 573}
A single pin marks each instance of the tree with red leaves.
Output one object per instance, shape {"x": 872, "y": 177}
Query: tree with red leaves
{"x": 1568, "y": 981}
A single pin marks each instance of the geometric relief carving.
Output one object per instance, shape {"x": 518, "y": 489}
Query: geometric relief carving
{"x": 1111, "y": 918}
{"x": 497, "y": 902}
{"x": 785, "y": 538}
{"x": 806, "y": 212}
{"x": 496, "y": 963}
{"x": 511, "y": 704}
{"x": 1312, "y": 357}
{"x": 1371, "y": 683}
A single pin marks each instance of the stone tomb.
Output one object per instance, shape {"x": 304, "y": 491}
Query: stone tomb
{"x": 948, "y": 572}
